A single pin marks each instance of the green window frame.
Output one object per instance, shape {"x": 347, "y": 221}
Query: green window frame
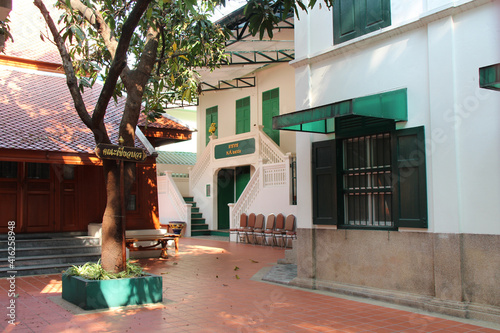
{"x": 355, "y": 18}
{"x": 270, "y": 109}
{"x": 402, "y": 184}
{"x": 243, "y": 115}
{"x": 211, "y": 117}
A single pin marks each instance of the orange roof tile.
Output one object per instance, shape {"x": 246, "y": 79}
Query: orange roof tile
{"x": 37, "y": 113}
{"x": 36, "y": 108}
{"x": 165, "y": 122}
{"x": 27, "y": 25}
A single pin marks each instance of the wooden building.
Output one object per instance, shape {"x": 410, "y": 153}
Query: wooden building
{"x": 50, "y": 178}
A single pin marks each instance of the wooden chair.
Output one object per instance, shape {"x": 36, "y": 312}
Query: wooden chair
{"x": 250, "y": 226}
{"x": 241, "y": 228}
{"x": 268, "y": 232}
{"x": 259, "y": 226}
{"x": 290, "y": 232}
{"x": 279, "y": 228}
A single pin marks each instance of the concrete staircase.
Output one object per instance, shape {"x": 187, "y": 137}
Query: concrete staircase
{"x": 198, "y": 225}
{"x": 37, "y": 254}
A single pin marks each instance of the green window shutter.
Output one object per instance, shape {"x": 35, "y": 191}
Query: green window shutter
{"x": 411, "y": 189}
{"x": 211, "y": 117}
{"x": 243, "y": 115}
{"x": 270, "y": 109}
{"x": 324, "y": 182}
{"x": 354, "y": 18}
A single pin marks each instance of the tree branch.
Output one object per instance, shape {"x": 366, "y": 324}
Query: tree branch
{"x": 96, "y": 19}
{"x": 119, "y": 61}
{"x": 71, "y": 79}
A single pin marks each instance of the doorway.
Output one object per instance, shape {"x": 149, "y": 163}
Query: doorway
{"x": 230, "y": 184}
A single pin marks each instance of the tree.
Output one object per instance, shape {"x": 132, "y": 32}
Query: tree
{"x": 148, "y": 49}
{"x": 163, "y": 41}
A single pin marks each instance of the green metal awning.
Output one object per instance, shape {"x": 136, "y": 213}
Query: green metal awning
{"x": 489, "y": 77}
{"x": 389, "y": 105}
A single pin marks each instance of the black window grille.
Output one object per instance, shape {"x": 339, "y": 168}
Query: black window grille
{"x": 367, "y": 181}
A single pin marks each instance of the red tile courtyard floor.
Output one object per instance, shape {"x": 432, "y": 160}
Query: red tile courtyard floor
{"x": 213, "y": 286}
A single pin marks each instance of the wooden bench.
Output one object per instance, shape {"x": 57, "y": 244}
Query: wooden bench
{"x": 159, "y": 239}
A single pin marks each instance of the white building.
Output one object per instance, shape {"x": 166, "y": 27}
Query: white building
{"x": 398, "y": 153}
{"x": 245, "y": 166}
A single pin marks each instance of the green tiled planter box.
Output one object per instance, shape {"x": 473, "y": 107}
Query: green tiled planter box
{"x": 101, "y": 294}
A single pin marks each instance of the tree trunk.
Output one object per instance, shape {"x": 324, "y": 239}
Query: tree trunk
{"x": 112, "y": 229}
{"x": 113, "y": 221}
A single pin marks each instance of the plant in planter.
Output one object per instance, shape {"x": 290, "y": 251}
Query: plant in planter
{"x": 91, "y": 287}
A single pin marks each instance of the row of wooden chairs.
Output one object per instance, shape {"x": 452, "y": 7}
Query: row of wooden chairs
{"x": 276, "y": 228}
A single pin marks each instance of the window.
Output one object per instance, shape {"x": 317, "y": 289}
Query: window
{"x": 211, "y": 117}
{"x": 68, "y": 172}
{"x": 38, "y": 170}
{"x": 243, "y": 115}
{"x": 366, "y": 179}
{"x": 8, "y": 169}
{"x": 354, "y": 18}
{"x": 376, "y": 180}
{"x": 270, "y": 109}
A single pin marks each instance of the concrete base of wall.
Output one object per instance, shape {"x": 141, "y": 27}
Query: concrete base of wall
{"x": 427, "y": 303}
{"x": 453, "y": 274}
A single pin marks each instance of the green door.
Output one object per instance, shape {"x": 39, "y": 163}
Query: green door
{"x": 270, "y": 109}
{"x": 211, "y": 117}
{"x": 225, "y": 195}
{"x": 242, "y": 179}
{"x": 243, "y": 115}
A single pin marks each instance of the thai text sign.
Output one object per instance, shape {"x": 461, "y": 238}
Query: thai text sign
{"x": 237, "y": 148}
{"x": 114, "y": 152}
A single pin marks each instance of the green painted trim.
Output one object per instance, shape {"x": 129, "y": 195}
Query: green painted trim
{"x": 243, "y": 115}
{"x": 353, "y": 19}
{"x": 489, "y": 77}
{"x": 389, "y": 105}
{"x": 236, "y": 148}
{"x": 102, "y": 294}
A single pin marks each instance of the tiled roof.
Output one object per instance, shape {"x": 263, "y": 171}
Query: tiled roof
{"x": 37, "y": 113}
{"x": 176, "y": 157}
{"x": 27, "y": 25}
{"x": 165, "y": 122}
{"x": 36, "y": 108}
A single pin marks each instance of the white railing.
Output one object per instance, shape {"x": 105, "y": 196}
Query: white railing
{"x": 269, "y": 151}
{"x": 172, "y": 204}
{"x": 201, "y": 165}
{"x": 246, "y": 199}
{"x": 265, "y": 176}
{"x": 275, "y": 174}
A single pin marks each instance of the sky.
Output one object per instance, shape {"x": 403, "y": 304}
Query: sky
{"x": 231, "y": 5}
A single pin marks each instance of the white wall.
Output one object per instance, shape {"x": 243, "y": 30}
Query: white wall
{"x": 437, "y": 60}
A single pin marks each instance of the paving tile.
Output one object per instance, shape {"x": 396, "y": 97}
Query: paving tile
{"x": 208, "y": 287}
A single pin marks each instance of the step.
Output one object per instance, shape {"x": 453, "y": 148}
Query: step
{"x": 38, "y": 269}
{"x": 223, "y": 233}
{"x": 195, "y": 209}
{"x": 197, "y": 221}
{"x": 51, "y": 242}
{"x": 46, "y": 235}
{"x": 195, "y": 233}
{"x": 188, "y": 199}
{"x": 199, "y": 227}
{"x": 52, "y": 259}
{"x": 196, "y": 215}
{"x": 52, "y": 250}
